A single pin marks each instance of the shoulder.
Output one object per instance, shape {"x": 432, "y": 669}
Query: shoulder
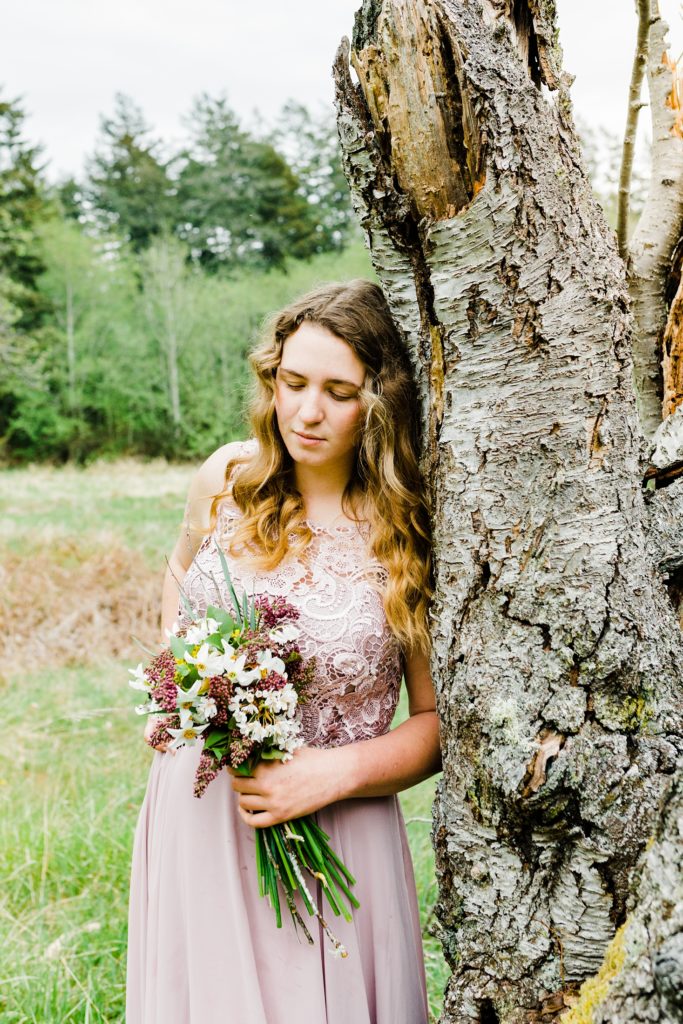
{"x": 209, "y": 480}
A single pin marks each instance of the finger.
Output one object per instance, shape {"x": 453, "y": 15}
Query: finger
{"x": 244, "y": 784}
{"x": 252, "y": 803}
{"x": 263, "y": 820}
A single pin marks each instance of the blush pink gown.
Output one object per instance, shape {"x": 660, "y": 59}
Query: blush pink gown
{"x": 203, "y": 947}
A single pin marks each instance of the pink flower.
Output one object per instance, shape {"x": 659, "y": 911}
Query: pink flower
{"x": 275, "y": 609}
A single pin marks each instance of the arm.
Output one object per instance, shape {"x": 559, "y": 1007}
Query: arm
{"x": 208, "y": 481}
{"x": 377, "y": 767}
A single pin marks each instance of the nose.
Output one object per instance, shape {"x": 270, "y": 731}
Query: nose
{"x": 310, "y": 410}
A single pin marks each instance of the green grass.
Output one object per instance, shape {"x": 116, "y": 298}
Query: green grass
{"x": 73, "y": 768}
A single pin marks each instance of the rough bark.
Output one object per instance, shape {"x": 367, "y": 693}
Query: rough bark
{"x": 642, "y": 979}
{"x": 557, "y": 652}
{"x": 658, "y": 230}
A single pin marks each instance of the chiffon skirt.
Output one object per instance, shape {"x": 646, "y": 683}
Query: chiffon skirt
{"x": 203, "y": 947}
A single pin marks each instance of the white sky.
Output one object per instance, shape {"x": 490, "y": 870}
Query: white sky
{"x": 67, "y": 59}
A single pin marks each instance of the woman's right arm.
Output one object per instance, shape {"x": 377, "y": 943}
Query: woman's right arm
{"x": 208, "y": 481}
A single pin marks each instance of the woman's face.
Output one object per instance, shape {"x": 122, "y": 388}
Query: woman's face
{"x": 316, "y": 397}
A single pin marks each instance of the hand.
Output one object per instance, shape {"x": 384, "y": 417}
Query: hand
{"x": 281, "y": 791}
{"x": 150, "y": 725}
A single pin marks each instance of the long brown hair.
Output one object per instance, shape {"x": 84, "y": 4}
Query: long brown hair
{"x": 385, "y": 475}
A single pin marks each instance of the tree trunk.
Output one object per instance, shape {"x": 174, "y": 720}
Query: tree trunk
{"x": 658, "y": 229}
{"x": 557, "y": 651}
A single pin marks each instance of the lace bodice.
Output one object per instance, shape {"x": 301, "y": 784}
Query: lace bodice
{"x": 337, "y": 589}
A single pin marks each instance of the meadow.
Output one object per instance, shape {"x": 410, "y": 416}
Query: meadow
{"x": 81, "y": 560}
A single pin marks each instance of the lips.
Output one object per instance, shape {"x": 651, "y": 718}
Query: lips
{"x": 309, "y": 437}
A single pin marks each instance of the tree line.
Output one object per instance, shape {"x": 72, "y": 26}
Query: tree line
{"x": 128, "y": 298}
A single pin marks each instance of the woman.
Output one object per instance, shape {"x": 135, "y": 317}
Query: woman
{"x": 325, "y": 506}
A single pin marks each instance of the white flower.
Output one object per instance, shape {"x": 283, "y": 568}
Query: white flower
{"x": 282, "y": 701}
{"x": 187, "y": 697}
{"x": 189, "y": 735}
{"x": 150, "y": 708}
{"x": 139, "y": 680}
{"x": 197, "y": 633}
{"x": 284, "y": 633}
{"x": 208, "y": 660}
{"x": 254, "y": 731}
{"x": 173, "y": 631}
{"x": 234, "y": 667}
{"x": 206, "y": 708}
{"x": 185, "y": 717}
{"x": 269, "y": 663}
{"x": 337, "y": 951}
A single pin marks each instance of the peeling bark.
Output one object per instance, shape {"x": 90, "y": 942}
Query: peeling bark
{"x": 672, "y": 360}
{"x": 658, "y": 230}
{"x": 558, "y": 659}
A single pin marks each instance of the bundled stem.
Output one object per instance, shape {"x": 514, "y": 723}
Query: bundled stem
{"x": 283, "y": 853}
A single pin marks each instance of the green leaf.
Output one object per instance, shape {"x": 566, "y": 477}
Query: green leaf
{"x": 272, "y": 755}
{"x": 187, "y": 606}
{"x": 178, "y": 646}
{"x": 229, "y": 584}
{"x": 219, "y": 614}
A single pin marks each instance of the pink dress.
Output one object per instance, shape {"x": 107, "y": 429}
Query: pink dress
{"x": 203, "y": 947}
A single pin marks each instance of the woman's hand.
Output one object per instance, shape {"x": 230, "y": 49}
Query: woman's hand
{"x": 281, "y": 791}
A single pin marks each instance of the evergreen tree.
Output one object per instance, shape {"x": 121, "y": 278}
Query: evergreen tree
{"x": 22, "y": 205}
{"x": 128, "y": 184}
{"x": 239, "y": 199}
{"x": 311, "y": 146}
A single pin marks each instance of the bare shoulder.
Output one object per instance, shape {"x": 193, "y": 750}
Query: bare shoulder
{"x": 208, "y": 481}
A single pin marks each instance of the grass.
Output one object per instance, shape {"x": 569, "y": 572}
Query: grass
{"x": 72, "y": 765}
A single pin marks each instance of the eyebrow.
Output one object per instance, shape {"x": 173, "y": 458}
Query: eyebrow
{"x": 330, "y": 380}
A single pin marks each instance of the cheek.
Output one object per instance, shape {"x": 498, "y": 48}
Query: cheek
{"x": 349, "y": 419}
{"x": 283, "y": 403}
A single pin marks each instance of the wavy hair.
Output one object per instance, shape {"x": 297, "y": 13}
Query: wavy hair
{"x": 385, "y": 481}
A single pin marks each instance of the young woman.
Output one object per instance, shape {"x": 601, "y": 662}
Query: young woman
{"x": 325, "y": 506}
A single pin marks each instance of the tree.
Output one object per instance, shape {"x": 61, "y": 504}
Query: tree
{"x": 22, "y": 206}
{"x": 129, "y": 184}
{"x": 311, "y": 146}
{"x": 239, "y": 199}
{"x": 558, "y": 655}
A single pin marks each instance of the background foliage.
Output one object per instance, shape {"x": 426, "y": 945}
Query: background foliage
{"x": 128, "y": 300}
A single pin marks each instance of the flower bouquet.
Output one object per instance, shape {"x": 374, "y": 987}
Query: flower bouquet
{"x": 234, "y": 679}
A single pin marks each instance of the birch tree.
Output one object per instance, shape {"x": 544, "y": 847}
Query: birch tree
{"x": 558, "y": 654}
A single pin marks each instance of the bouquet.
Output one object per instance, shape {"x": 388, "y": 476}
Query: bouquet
{"x": 234, "y": 679}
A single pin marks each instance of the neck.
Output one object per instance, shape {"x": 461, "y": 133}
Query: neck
{"x": 322, "y": 488}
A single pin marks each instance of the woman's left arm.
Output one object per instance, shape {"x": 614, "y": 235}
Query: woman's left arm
{"x": 380, "y": 766}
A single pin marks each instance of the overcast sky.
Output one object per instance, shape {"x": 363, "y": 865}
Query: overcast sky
{"x": 67, "y": 59}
